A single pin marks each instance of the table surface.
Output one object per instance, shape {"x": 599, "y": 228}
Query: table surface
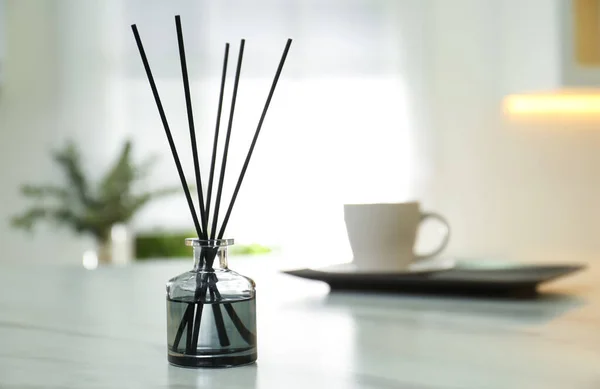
{"x": 66, "y": 327}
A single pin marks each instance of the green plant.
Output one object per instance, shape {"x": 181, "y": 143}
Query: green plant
{"x": 86, "y": 208}
{"x": 250, "y": 249}
{"x": 151, "y": 245}
{"x": 162, "y": 245}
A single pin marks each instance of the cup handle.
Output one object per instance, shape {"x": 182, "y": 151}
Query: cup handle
{"x": 445, "y": 239}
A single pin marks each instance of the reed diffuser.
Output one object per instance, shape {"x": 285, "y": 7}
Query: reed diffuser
{"x": 211, "y": 310}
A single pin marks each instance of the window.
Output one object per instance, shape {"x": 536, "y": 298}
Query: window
{"x": 339, "y": 128}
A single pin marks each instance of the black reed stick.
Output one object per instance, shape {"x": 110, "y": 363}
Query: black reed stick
{"x": 248, "y": 336}
{"x": 219, "y": 322}
{"x": 193, "y": 329}
{"x": 189, "y": 318}
{"x": 204, "y": 282}
{"x": 216, "y": 138}
{"x": 190, "y": 115}
{"x": 244, "y": 332}
{"x": 206, "y": 261}
{"x": 200, "y": 285}
{"x": 163, "y": 118}
{"x": 184, "y": 321}
{"x": 260, "y": 122}
{"x": 199, "y": 298}
{"x": 227, "y": 138}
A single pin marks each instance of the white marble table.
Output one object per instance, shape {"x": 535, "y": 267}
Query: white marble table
{"x": 66, "y": 327}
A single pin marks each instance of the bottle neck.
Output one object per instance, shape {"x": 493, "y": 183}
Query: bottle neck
{"x": 208, "y": 258}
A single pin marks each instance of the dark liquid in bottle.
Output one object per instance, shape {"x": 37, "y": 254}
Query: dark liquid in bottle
{"x": 219, "y": 334}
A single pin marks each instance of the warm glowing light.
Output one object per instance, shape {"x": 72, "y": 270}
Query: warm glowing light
{"x": 554, "y": 103}
{"x": 90, "y": 260}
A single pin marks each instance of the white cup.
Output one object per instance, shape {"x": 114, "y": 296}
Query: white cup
{"x": 382, "y": 236}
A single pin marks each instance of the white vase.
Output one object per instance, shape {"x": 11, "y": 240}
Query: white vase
{"x": 119, "y": 249}
{"x": 103, "y": 252}
{"x": 122, "y": 244}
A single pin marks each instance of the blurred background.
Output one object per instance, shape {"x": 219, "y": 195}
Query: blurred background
{"x": 485, "y": 111}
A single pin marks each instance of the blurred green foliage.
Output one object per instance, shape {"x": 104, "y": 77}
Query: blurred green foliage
{"x": 162, "y": 245}
{"x": 171, "y": 245}
{"x": 249, "y": 249}
{"x": 86, "y": 207}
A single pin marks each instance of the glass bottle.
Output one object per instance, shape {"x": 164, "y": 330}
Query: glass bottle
{"x": 211, "y": 311}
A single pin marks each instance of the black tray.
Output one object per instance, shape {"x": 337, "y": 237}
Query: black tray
{"x": 474, "y": 278}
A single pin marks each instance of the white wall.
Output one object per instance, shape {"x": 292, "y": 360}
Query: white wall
{"x": 2, "y": 37}
{"x": 73, "y": 71}
{"x": 29, "y": 125}
{"x": 339, "y": 129}
{"x": 508, "y": 189}
{"x": 518, "y": 190}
